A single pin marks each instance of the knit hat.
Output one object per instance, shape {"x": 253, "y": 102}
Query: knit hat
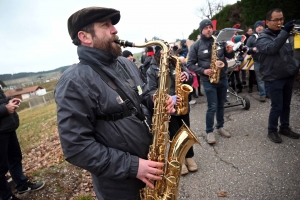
{"x": 258, "y": 23}
{"x": 126, "y": 54}
{"x": 204, "y": 23}
{"x": 89, "y": 15}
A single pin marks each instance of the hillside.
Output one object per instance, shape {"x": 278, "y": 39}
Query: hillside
{"x": 32, "y": 75}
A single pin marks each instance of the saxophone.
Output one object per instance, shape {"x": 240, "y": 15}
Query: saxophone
{"x": 215, "y": 64}
{"x": 167, "y": 188}
{"x": 182, "y": 91}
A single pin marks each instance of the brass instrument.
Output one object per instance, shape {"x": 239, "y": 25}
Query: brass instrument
{"x": 295, "y": 30}
{"x": 167, "y": 188}
{"x": 182, "y": 91}
{"x": 215, "y": 64}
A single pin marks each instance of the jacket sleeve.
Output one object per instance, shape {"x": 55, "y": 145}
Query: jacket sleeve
{"x": 269, "y": 46}
{"x": 250, "y": 44}
{"x": 3, "y": 111}
{"x": 76, "y": 119}
{"x": 193, "y": 60}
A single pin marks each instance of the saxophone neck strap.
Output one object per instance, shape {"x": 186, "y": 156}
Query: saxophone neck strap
{"x": 131, "y": 110}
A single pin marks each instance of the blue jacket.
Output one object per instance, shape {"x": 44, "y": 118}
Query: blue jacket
{"x": 275, "y": 55}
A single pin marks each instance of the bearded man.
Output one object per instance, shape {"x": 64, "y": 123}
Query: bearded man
{"x": 101, "y": 109}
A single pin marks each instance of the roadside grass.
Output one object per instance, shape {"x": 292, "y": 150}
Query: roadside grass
{"x": 84, "y": 197}
{"x": 36, "y": 125}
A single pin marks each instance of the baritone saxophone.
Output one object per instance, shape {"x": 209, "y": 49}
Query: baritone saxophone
{"x": 171, "y": 153}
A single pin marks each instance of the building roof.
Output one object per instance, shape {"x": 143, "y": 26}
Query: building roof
{"x": 12, "y": 93}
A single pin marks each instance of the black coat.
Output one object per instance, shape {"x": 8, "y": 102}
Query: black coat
{"x": 275, "y": 55}
{"x": 153, "y": 79}
{"x": 8, "y": 122}
{"x": 110, "y": 150}
{"x": 200, "y": 52}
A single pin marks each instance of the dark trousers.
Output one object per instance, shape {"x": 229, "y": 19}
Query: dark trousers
{"x": 280, "y": 92}
{"x": 252, "y": 78}
{"x": 174, "y": 126}
{"x": 10, "y": 159}
{"x": 215, "y": 95}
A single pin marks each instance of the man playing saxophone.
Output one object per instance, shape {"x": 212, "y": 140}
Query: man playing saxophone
{"x": 176, "y": 74}
{"x": 210, "y": 58}
{"x": 101, "y": 123}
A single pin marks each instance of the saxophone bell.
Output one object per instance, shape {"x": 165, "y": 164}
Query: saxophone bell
{"x": 219, "y": 64}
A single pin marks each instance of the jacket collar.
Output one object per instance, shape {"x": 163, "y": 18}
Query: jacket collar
{"x": 94, "y": 56}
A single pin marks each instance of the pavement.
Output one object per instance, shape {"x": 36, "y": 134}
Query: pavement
{"x": 247, "y": 165}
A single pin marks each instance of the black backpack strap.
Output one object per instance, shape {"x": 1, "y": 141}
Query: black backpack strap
{"x": 131, "y": 109}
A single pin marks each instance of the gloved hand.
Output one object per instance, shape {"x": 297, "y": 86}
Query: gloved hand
{"x": 289, "y": 26}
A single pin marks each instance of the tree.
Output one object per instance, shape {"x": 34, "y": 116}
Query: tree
{"x": 212, "y": 7}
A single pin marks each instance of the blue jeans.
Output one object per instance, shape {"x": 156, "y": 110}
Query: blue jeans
{"x": 280, "y": 92}
{"x": 10, "y": 159}
{"x": 216, "y": 95}
{"x": 260, "y": 82}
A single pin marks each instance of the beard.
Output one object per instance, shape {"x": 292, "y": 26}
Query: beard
{"x": 108, "y": 45}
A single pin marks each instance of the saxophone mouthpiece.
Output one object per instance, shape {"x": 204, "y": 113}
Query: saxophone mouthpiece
{"x": 124, "y": 43}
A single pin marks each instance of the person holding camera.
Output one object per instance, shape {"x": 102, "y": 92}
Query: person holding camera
{"x": 10, "y": 151}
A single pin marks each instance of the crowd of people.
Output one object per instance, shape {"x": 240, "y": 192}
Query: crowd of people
{"x": 109, "y": 134}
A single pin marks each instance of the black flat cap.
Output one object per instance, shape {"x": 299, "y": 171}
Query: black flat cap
{"x": 89, "y": 15}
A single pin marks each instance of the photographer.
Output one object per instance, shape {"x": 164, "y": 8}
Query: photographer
{"x": 10, "y": 151}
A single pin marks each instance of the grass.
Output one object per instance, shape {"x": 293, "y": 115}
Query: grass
{"x": 36, "y": 125}
{"x": 84, "y": 197}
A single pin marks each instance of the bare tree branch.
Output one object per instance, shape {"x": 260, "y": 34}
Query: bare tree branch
{"x": 211, "y": 8}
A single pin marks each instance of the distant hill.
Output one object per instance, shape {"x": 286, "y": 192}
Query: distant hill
{"x": 7, "y": 77}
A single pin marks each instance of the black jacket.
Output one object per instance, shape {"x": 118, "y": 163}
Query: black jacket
{"x": 8, "y": 122}
{"x": 110, "y": 150}
{"x": 200, "y": 52}
{"x": 251, "y": 43}
{"x": 153, "y": 79}
{"x": 275, "y": 55}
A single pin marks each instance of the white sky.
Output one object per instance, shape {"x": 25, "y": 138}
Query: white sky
{"x": 35, "y": 37}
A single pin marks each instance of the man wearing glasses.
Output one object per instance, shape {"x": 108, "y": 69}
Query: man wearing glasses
{"x": 278, "y": 68}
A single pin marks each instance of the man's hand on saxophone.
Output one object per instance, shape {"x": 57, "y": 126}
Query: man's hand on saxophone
{"x": 169, "y": 104}
{"x": 148, "y": 170}
{"x": 184, "y": 76}
{"x": 208, "y": 72}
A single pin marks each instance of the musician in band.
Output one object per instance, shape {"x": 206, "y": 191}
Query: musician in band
{"x": 101, "y": 108}
{"x": 200, "y": 52}
{"x": 176, "y": 120}
{"x": 278, "y": 68}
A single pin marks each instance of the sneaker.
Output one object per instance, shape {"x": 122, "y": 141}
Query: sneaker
{"x": 195, "y": 95}
{"x": 184, "y": 169}
{"x": 262, "y": 99}
{"x": 289, "y": 133}
{"x": 31, "y": 187}
{"x": 191, "y": 164}
{"x": 274, "y": 137}
{"x": 13, "y": 197}
{"x": 250, "y": 90}
{"x": 210, "y": 138}
{"x": 223, "y": 132}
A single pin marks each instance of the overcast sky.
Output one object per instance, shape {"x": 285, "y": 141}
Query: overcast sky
{"x": 35, "y": 37}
